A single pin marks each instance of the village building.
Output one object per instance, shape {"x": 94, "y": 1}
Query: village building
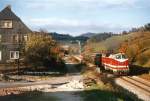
{"x": 13, "y": 34}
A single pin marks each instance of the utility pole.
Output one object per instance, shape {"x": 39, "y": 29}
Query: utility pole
{"x": 18, "y": 62}
{"x": 19, "y": 49}
{"x": 79, "y": 43}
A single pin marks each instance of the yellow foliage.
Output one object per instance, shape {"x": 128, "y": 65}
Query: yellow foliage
{"x": 138, "y": 47}
{"x": 41, "y": 49}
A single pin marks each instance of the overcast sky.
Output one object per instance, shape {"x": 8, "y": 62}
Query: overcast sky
{"x": 79, "y": 16}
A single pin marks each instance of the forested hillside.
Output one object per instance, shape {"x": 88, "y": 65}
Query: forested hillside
{"x": 135, "y": 43}
{"x": 100, "y": 37}
{"x": 105, "y": 42}
{"x": 67, "y": 37}
{"x": 138, "y": 48}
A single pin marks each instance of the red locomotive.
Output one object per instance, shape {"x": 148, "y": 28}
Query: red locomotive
{"x": 118, "y": 63}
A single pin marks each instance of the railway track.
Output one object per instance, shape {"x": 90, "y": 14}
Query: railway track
{"x": 136, "y": 85}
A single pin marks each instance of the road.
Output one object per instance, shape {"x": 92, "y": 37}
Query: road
{"x": 52, "y": 81}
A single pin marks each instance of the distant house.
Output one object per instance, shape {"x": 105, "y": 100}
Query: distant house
{"x": 13, "y": 34}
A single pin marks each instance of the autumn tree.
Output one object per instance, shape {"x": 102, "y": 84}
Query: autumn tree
{"x": 42, "y": 51}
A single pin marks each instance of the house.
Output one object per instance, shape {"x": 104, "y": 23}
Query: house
{"x": 13, "y": 34}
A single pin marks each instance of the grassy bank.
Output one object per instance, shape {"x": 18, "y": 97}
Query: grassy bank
{"x": 100, "y": 88}
{"x": 98, "y": 94}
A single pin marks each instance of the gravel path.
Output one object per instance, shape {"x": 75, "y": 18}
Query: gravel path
{"x": 73, "y": 87}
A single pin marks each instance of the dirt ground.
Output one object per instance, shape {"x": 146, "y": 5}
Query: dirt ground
{"x": 64, "y": 88}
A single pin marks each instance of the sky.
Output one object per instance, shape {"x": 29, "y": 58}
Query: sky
{"x": 75, "y": 17}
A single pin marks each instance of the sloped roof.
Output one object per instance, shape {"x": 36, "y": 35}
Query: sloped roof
{"x": 7, "y": 14}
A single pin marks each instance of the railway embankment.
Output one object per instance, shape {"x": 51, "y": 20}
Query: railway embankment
{"x": 136, "y": 85}
{"x": 100, "y": 86}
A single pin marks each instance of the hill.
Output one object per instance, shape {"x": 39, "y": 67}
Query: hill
{"x": 105, "y": 41}
{"x": 89, "y": 34}
{"x": 138, "y": 48}
{"x": 59, "y": 37}
{"x": 134, "y": 43}
{"x": 67, "y": 38}
{"x": 100, "y": 37}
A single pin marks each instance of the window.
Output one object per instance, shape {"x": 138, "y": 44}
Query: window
{"x": 0, "y": 55}
{"x": 0, "y": 38}
{"x": 25, "y": 38}
{"x": 121, "y": 56}
{"x": 14, "y": 54}
{"x": 15, "y": 38}
{"x": 124, "y": 57}
{"x": 6, "y": 24}
{"x": 118, "y": 57}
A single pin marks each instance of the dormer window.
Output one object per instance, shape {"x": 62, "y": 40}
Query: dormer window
{"x": 6, "y": 24}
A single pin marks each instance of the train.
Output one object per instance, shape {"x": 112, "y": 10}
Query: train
{"x": 117, "y": 63}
